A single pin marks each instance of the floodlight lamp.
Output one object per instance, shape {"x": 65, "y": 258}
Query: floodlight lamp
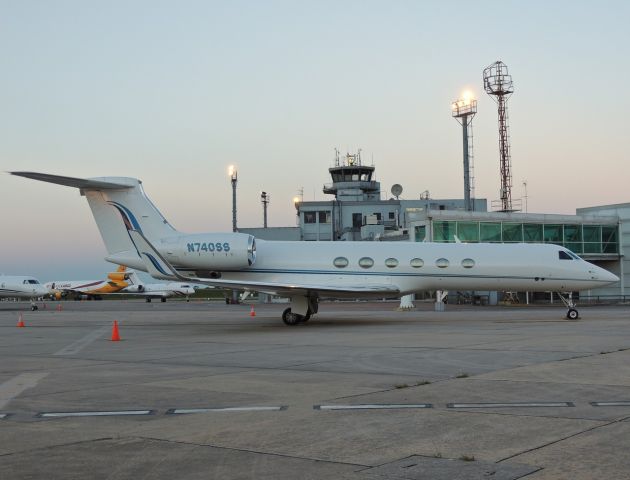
{"x": 467, "y": 96}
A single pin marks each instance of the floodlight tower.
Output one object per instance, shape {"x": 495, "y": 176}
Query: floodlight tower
{"x": 498, "y": 84}
{"x": 265, "y": 199}
{"x": 463, "y": 111}
{"x": 234, "y": 180}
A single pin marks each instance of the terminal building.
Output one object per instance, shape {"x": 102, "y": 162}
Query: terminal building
{"x": 599, "y": 234}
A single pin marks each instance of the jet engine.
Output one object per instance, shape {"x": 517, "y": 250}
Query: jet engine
{"x": 135, "y": 289}
{"x": 213, "y": 251}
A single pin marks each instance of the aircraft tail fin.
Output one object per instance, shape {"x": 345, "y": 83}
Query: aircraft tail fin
{"x": 119, "y": 205}
{"x": 156, "y": 265}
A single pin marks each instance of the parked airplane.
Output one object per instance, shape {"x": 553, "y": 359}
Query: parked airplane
{"x": 157, "y": 290}
{"x": 22, "y": 287}
{"x": 136, "y": 234}
{"x": 92, "y": 289}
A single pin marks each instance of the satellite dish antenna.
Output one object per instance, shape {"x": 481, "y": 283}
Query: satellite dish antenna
{"x": 396, "y": 190}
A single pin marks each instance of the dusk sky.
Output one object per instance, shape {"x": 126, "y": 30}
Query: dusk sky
{"x": 174, "y": 92}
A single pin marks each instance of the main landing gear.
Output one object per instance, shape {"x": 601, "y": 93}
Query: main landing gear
{"x": 290, "y": 318}
{"x": 300, "y": 310}
{"x": 34, "y": 307}
{"x": 572, "y": 313}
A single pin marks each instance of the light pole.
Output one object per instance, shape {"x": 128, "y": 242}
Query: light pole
{"x": 463, "y": 111}
{"x": 265, "y": 198}
{"x": 234, "y": 180}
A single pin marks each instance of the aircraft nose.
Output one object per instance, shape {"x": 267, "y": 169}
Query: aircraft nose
{"x": 603, "y": 275}
{"x": 609, "y": 276}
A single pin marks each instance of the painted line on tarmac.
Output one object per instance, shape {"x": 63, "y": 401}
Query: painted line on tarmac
{"x": 375, "y": 406}
{"x": 611, "y": 404}
{"x": 182, "y": 411}
{"x": 510, "y": 405}
{"x": 80, "y": 344}
{"x": 16, "y": 385}
{"x": 112, "y": 413}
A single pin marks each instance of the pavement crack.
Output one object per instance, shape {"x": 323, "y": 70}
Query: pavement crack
{"x": 247, "y": 450}
{"x": 623, "y": 419}
{"x": 49, "y": 447}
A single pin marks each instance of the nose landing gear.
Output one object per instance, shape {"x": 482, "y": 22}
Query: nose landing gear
{"x": 572, "y": 313}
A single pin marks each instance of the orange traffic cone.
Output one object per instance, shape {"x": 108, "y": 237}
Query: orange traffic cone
{"x": 252, "y": 313}
{"x": 20, "y": 323}
{"x": 59, "y": 307}
{"x": 115, "y": 334}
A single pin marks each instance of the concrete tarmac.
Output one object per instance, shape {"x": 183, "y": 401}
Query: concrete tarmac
{"x": 202, "y": 390}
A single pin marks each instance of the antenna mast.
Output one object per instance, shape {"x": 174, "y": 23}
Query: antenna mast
{"x": 498, "y": 84}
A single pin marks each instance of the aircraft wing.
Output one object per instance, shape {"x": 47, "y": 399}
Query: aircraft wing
{"x": 159, "y": 267}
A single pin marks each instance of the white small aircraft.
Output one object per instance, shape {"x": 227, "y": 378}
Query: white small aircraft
{"x": 136, "y": 234}
{"x": 22, "y": 287}
{"x": 92, "y": 289}
{"x": 157, "y": 290}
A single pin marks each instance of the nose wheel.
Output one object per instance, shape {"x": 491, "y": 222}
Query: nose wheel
{"x": 572, "y": 313}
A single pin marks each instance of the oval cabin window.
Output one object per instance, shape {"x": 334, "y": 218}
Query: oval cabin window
{"x": 366, "y": 262}
{"x": 468, "y": 263}
{"x": 340, "y": 262}
{"x": 391, "y": 263}
{"x": 442, "y": 263}
{"x": 416, "y": 262}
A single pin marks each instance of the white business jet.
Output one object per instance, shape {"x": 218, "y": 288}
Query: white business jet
{"x": 157, "y": 290}
{"x": 136, "y": 234}
{"x": 22, "y": 287}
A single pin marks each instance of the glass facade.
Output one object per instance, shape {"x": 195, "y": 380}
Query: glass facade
{"x": 579, "y": 238}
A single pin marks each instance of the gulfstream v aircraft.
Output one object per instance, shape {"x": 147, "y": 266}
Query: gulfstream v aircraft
{"x": 22, "y": 287}
{"x": 136, "y": 234}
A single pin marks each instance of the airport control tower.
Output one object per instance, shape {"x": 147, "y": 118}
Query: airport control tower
{"x": 352, "y": 181}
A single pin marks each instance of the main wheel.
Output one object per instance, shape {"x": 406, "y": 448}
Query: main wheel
{"x": 290, "y": 318}
{"x": 572, "y": 314}
{"x": 163, "y": 299}
{"x": 34, "y": 307}
{"x": 148, "y": 300}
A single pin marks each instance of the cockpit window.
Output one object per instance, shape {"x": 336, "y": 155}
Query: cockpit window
{"x": 33, "y": 282}
{"x": 564, "y": 255}
{"x": 574, "y": 256}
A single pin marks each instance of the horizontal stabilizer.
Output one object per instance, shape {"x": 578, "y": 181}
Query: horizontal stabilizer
{"x": 83, "y": 183}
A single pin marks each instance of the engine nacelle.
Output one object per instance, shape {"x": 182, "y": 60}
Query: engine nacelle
{"x": 213, "y": 251}
{"x": 134, "y": 289}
